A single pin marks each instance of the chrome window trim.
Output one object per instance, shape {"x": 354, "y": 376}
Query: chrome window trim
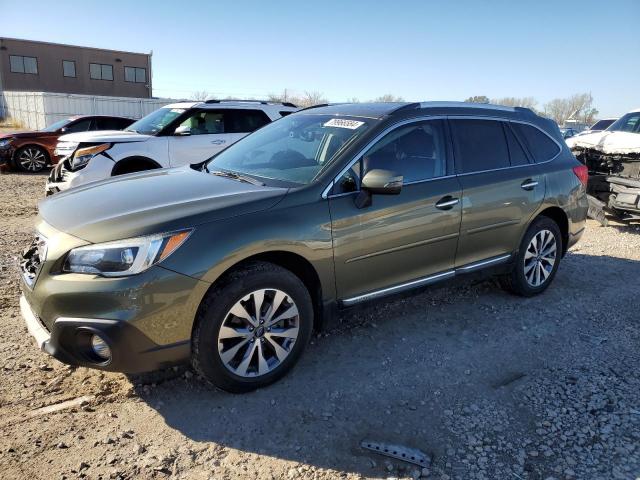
{"x": 325, "y": 192}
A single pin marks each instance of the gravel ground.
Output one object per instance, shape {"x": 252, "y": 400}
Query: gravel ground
{"x": 489, "y": 385}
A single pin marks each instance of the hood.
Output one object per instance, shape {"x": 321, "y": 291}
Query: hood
{"x": 104, "y": 136}
{"x": 28, "y": 134}
{"x": 608, "y": 142}
{"x": 152, "y": 202}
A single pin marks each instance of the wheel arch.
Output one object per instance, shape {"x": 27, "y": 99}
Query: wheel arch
{"x": 559, "y": 216}
{"x": 134, "y": 163}
{"x": 296, "y": 264}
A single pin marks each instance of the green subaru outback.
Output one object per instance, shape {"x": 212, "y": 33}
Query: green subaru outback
{"x": 233, "y": 263}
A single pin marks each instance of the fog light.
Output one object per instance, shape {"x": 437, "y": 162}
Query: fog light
{"x": 100, "y": 347}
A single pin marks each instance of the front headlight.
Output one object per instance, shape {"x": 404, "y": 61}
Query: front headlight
{"x": 124, "y": 257}
{"x": 6, "y": 142}
{"x": 83, "y": 155}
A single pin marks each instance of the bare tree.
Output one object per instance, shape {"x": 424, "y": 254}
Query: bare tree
{"x": 478, "y": 99}
{"x": 577, "y": 107}
{"x": 527, "y": 102}
{"x": 388, "y": 97}
{"x": 201, "y": 95}
{"x": 353, "y": 100}
{"x": 312, "y": 98}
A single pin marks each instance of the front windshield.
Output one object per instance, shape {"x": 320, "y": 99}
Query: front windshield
{"x": 292, "y": 149}
{"x": 56, "y": 126}
{"x": 627, "y": 123}
{"x": 155, "y": 121}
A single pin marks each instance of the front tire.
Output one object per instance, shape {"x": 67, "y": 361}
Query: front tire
{"x": 538, "y": 259}
{"x": 252, "y": 328}
{"x": 31, "y": 159}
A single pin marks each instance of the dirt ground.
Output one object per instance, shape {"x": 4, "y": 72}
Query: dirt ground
{"x": 488, "y": 384}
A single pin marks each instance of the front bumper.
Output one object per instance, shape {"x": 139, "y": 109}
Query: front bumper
{"x": 131, "y": 351}
{"x": 145, "y": 319}
{"x": 6, "y": 155}
{"x": 61, "y": 178}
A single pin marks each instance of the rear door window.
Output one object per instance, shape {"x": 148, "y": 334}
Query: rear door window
{"x": 479, "y": 145}
{"x": 246, "y": 121}
{"x": 541, "y": 147}
{"x": 111, "y": 123}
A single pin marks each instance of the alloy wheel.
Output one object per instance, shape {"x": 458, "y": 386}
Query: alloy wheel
{"x": 258, "y": 333}
{"x": 32, "y": 159}
{"x": 540, "y": 258}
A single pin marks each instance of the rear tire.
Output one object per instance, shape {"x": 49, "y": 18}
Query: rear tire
{"x": 239, "y": 350}
{"x": 537, "y": 260}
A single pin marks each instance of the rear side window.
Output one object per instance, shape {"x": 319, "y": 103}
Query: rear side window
{"x": 479, "y": 145}
{"x": 539, "y": 144}
{"x": 284, "y": 114}
{"x": 516, "y": 153}
{"x": 245, "y": 121}
{"x": 79, "y": 126}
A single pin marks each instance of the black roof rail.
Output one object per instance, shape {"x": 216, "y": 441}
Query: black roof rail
{"x": 408, "y": 106}
{"x": 315, "y": 106}
{"x": 262, "y": 102}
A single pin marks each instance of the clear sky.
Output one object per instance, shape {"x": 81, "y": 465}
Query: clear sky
{"x": 420, "y": 50}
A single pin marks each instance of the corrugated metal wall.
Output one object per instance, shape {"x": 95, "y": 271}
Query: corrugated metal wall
{"x": 36, "y": 110}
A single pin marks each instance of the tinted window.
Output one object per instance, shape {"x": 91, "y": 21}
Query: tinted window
{"x": 602, "y": 124}
{"x": 284, "y": 114}
{"x": 479, "y": 145}
{"x": 516, "y": 153}
{"x": 416, "y": 151}
{"x": 539, "y": 144}
{"x": 111, "y": 123}
{"x": 245, "y": 121}
{"x": 68, "y": 68}
{"x": 79, "y": 126}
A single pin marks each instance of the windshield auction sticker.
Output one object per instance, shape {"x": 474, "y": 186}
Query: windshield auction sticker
{"x": 342, "y": 123}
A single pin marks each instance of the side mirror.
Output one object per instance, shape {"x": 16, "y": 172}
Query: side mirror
{"x": 382, "y": 182}
{"x": 182, "y": 131}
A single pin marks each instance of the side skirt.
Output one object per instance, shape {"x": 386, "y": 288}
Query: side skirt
{"x": 428, "y": 280}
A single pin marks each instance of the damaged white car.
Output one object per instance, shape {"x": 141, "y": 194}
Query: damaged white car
{"x": 613, "y": 160}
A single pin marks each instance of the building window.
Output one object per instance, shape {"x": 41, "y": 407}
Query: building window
{"x": 69, "y": 68}
{"x": 98, "y": 71}
{"x": 20, "y": 64}
{"x": 135, "y": 74}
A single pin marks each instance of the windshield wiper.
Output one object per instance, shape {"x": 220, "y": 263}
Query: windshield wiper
{"x": 237, "y": 176}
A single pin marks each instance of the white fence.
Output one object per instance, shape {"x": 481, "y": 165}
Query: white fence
{"x": 36, "y": 110}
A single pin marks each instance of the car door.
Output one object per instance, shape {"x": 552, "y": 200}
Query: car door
{"x": 400, "y": 238}
{"x": 501, "y": 189}
{"x": 207, "y": 132}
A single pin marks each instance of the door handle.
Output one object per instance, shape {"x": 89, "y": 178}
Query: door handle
{"x": 218, "y": 142}
{"x": 447, "y": 203}
{"x": 529, "y": 184}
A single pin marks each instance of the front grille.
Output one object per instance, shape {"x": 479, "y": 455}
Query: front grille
{"x": 32, "y": 259}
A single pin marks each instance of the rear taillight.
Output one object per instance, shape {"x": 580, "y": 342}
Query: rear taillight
{"x": 582, "y": 172}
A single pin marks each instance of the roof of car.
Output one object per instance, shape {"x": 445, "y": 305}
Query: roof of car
{"x": 381, "y": 109}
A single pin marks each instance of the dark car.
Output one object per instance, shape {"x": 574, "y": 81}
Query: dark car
{"x": 32, "y": 151}
{"x": 231, "y": 265}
